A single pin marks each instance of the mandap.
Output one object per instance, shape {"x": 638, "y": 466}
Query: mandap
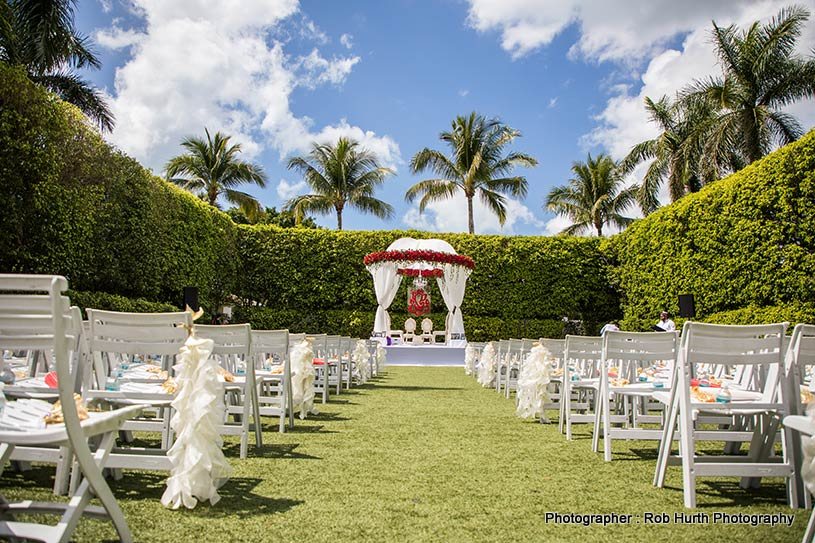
{"x": 421, "y": 259}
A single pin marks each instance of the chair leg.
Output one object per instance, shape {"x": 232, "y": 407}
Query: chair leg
{"x": 90, "y": 466}
{"x": 666, "y": 443}
{"x": 688, "y": 451}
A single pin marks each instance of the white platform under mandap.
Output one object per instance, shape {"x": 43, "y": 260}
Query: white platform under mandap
{"x": 424, "y": 355}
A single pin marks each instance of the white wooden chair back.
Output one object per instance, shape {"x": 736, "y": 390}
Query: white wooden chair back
{"x": 557, "y": 348}
{"x": 115, "y": 336}
{"x": 800, "y": 366}
{"x": 583, "y": 355}
{"x": 36, "y": 315}
{"x": 427, "y": 325}
{"x": 410, "y": 325}
{"x": 630, "y": 351}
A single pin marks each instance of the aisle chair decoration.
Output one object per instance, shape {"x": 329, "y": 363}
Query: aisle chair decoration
{"x": 303, "y": 375}
{"x": 199, "y": 465}
{"x": 533, "y": 383}
{"x": 486, "y": 366}
{"x": 362, "y": 361}
{"x": 381, "y": 357}
{"x": 469, "y": 359}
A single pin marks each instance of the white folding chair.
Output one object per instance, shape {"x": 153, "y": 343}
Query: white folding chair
{"x": 333, "y": 346}
{"x": 270, "y": 352}
{"x": 233, "y": 349}
{"x": 346, "y": 361}
{"x": 132, "y": 350}
{"x": 754, "y": 355}
{"x": 502, "y": 363}
{"x": 581, "y": 381}
{"x": 36, "y": 321}
{"x": 636, "y": 357}
{"x": 321, "y": 366}
{"x": 799, "y": 365}
{"x": 557, "y": 348}
{"x": 519, "y": 349}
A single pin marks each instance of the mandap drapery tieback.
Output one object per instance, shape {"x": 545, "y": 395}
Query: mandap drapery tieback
{"x": 199, "y": 467}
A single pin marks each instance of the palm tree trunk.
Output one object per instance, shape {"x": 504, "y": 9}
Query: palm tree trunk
{"x": 470, "y": 221}
{"x": 339, "y": 219}
{"x": 599, "y": 228}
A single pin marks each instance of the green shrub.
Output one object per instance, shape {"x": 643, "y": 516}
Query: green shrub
{"x": 745, "y": 241}
{"x": 793, "y": 314}
{"x": 75, "y": 206}
{"x": 357, "y": 323}
{"x": 114, "y": 302}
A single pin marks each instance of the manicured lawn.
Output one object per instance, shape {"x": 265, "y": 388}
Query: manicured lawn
{"x": 426, "y": 454}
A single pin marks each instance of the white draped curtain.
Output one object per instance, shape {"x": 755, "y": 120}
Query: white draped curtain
{"x": 386, "y": 285}
{"x": 451, "y": 286}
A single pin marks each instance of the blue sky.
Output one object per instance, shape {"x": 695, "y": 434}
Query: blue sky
{"x": 570, "y": 75}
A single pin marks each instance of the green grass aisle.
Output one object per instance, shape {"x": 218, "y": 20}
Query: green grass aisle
{"x": 425, "y": 454}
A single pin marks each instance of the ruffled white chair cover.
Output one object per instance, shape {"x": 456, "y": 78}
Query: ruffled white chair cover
{"x": 199, "y": 466}
{"x": 469, "y": 360}
{"x": 302, "y": 377}
{"x": 381, "y": 356}
{"x": 486, "y": 365}
{"x": 362, "y": 359}
{"x": 533, "y": 382}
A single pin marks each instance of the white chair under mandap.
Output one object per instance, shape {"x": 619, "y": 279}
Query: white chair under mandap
{"x": 636, "y": 357}
{"x": 754, "y": 355}
{"x": 37, "y": 317}
{"x": 270, "y": 351}
{"x": 409, "y": 336}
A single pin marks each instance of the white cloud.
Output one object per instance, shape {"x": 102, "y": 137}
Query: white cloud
{"x": 347, "y": 41}
{"x": 384, "y": 147}
{"x": 116, "y": 38}
{"x": 217, "y": 64}
{"x": 310, "y": 31}
{"x": 607, "y": 30}
{"x": 556, "y": 225}
{"x": 444, "y": 217}
{"x": 552, "y": 102}
{"x": 318, "y": 70}
{"x": 463, "y": 92}
{"x": 107, "y": 5}
{"x": 287, "y": 191}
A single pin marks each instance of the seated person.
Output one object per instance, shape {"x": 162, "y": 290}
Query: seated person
{"x": 612, "y": 326}
{"x": 665, "y": 323}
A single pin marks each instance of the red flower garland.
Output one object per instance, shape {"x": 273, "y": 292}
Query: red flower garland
{"x": 410, "y": 272}
{"x": 422, "y": 256}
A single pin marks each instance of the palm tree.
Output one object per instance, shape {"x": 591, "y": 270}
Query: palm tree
{"x": 341, "y": 175}
{"x": 476, "y": 166}
{"x": 594, "y": 197}
{"x": 40, "y": 37}
{"x": 673, "y": 158}
{"x": 211, "y": 169}
{"x": 761, "y": 76}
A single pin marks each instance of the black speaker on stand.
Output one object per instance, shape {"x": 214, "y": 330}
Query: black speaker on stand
{"x": 687, "y": 308}
{"x": 191, "y": 298}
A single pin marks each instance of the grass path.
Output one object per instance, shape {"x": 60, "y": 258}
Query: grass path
{"x": 425, "y": 454}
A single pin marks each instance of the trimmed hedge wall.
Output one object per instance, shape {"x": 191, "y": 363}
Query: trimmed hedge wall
{"x": 746, "y": 241}
{"x": 515, "y": 278}
{"x": 75, "y": 206}
{"x": 114, "y": 302}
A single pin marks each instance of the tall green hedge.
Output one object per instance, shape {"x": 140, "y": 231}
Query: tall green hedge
{"x": 745, "y": 241}
{"x": 76, "y": 206}
{"x": 515, "y": 277}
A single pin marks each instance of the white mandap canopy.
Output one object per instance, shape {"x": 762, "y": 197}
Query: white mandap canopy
{"x": 434, "y": 256}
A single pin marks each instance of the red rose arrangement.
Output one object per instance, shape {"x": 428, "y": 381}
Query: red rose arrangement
{"x": 409, "y": 272}
{"x": 420, "y": 256}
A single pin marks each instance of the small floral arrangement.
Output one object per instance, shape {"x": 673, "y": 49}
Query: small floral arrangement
{"x": 410, "y": 272}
